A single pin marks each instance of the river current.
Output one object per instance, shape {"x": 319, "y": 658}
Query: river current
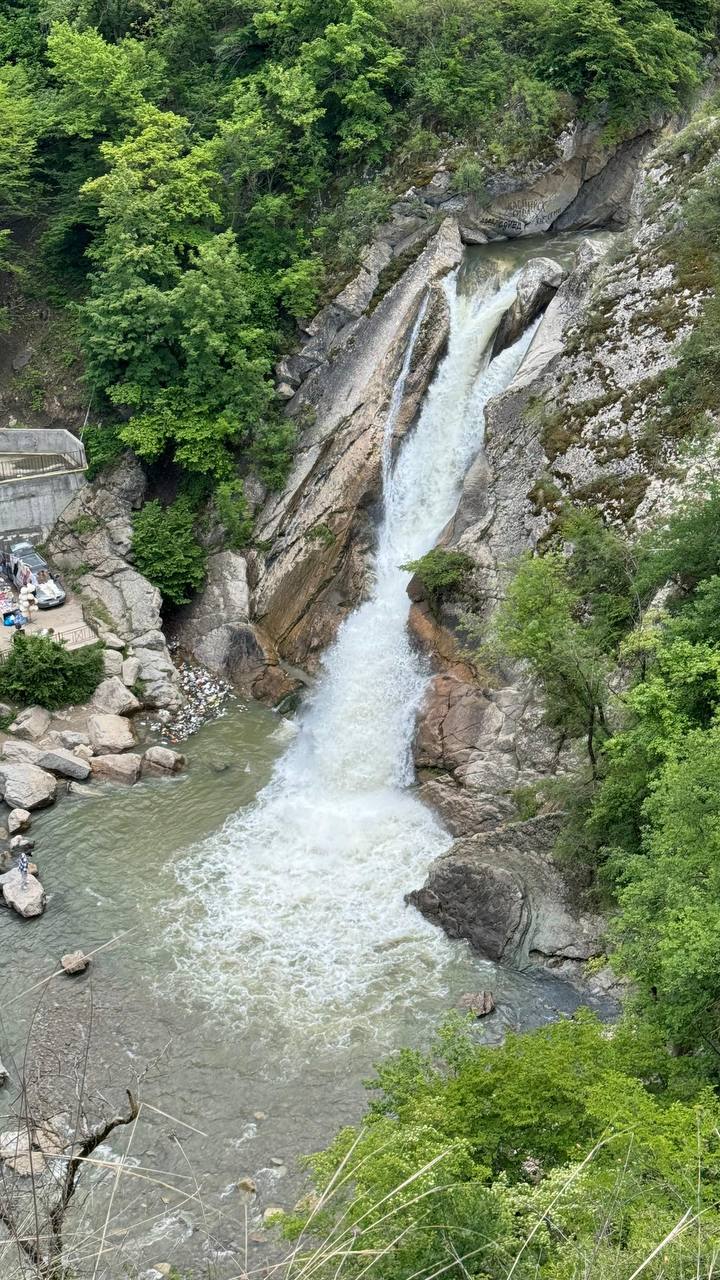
{"x": 265, "y": 957}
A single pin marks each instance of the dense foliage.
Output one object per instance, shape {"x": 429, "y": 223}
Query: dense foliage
{"x": 166, "y": 550}
{"x": 39, "y": 671}
{"x": 548, "y": 1157}
{"x": 198, "y": 174}
{"x": 442, "y": 573}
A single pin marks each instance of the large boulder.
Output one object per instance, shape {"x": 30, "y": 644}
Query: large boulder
{"x": 116, "y": 768}
{"x": 24, "y": 752}
{"x": 18, "y": 820}
{"x": 537, "y": 284}
{"x": 27, "y": 896}
{"x": 158, "y": 761}
{"x": 502, "y": 891}
{"x": 32, "y": 723}
{"x": 109, "y": 733}
{"x": 58, "y": 760}
{"x": 25, "y": 786}
{"x": 113, "y": 696}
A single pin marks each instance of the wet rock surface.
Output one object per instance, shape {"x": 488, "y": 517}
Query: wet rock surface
{"x": 24, "y": 894}
{"x": 502, "y": 891}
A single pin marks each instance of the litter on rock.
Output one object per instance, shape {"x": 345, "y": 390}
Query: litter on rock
{"x": 206, "y": 698}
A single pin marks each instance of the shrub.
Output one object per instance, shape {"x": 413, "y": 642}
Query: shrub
{"x": 441, "y": 572}
{"x": 166, "y": 549}
{"x": 40, "y": 671}
{"x": 233, "y": 511}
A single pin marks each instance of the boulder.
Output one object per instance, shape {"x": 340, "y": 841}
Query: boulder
{"x": 130, "y": 671}
{"x": 110, "y": 733}
{"x": 114, "y": 697}
{"x": 83, "y": 753}
{"x": 75, "y": 962}
{"x": 478, "y": 1003}
{"x": 77, "y": 789}
{"x": 18, "y": 820}
{"x": 502, "y": 891}
{"x": 112, "y": 662}
{"x": 25, "y": 752}
{"x": 64, "y": 763}
{"x": 32, "y": 723}
{"x": 25, "y": 786}
{"x": 72, "y": 739}
{"x": 537, "y": 284}
{"x": 21, "y": 844}
{"x": 116, "y": 768}
{"x": 161, "y": 760}
{"x": 26, "y": 897}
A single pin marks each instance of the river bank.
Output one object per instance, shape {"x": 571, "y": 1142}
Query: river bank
{"x": 226, "y": 1042}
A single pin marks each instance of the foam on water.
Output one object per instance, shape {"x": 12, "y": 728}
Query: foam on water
{"x": 299, "y": 899}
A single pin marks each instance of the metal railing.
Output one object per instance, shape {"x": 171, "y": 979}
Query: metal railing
{"x": 75, "y": 638}
{"x": 20, "y": 465}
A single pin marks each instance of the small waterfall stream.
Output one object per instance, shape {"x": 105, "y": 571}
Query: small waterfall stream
{"x": 303, "y": 892}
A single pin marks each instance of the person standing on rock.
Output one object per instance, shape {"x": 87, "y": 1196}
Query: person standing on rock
{"x": 23, "y": 869}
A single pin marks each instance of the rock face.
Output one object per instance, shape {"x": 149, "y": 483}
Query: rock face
{"x": 320, "y": 527}
{"x": 501, "y": 890}
{"x": 93, "y": 541}
{"x": 538, "y": 283}
{"x": 25, "y": 786}
{"x": 572, "y": 428}
{"x": 26, "y": 897}
{"x": 110, "y": 733}
{"x": 215, "y": 630}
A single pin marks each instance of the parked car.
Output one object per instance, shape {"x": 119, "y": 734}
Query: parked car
{"x": 24, "y": 566}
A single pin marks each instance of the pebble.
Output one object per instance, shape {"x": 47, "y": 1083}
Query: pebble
{"x": 259, "y": 1115}
{"x": 206, "y": 698}
{"x": 75, "y": 962}
{"x": 276, "y": 1160}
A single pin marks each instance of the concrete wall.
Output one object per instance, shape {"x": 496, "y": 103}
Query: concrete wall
{"x": 33, "y": 504}
{"x": 30, "y": 440}
{"x": 37, "y": 502}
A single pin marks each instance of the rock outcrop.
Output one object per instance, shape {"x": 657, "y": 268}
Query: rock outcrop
{"x": 92, "y": 545}
{"x": 320, "y": 527}
{"x": 216, "y": 631}
{"x": 578, "y": 425}
{"x": 502, "y": 891}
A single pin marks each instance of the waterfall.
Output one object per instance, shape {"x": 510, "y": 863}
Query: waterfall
{"x": 299, "y": 898}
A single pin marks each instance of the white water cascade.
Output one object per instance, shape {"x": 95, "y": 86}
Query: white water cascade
{"x": 299, "y": 898}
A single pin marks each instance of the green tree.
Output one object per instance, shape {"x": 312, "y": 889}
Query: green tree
{"x": 20, "y": 132}
{"x": 101, "y": 86}
{"x": 538, "y": 623}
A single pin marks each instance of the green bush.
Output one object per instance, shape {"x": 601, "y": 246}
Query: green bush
{"x": 442, "y": 573}
{"x": 40, "y": 671}
{"x": 233, "y": 511}
{"x": 166, "y": 550}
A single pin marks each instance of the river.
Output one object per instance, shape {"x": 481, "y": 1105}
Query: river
{"x": 270, "y": 958}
